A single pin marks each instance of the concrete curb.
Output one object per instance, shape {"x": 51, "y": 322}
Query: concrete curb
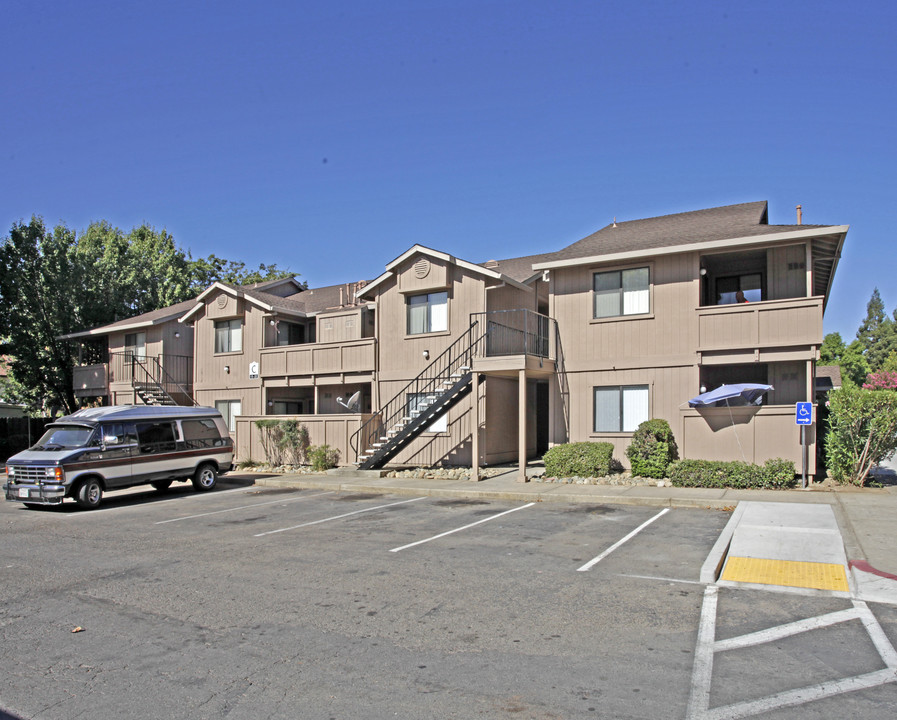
{"x": 550, "y": 494}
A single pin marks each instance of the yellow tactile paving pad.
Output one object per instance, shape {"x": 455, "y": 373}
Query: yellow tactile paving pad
{"x": 788, "y": 573}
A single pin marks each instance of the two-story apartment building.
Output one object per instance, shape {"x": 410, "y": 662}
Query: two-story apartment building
{"x": 653, "y": 312}
{"x": 440, "y": 360}
{"x": 146, "y": 358}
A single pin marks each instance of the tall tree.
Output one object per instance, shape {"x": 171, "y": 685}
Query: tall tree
{"x": 55, "y": 283}
{"x": 849, "y": 358}
{"x": 37, "y": 283}
{"x": 877, "y": 333}
{"x": 205, "y": 271}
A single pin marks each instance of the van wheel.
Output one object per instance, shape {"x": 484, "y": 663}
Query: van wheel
{"x": 89, "y": 494}
{"x": 205, "y": 478}
{"x": 161, "y": 485}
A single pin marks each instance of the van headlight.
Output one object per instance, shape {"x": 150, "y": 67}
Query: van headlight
{"x": 10, "y": 471}
{"x": 53, "y": 474}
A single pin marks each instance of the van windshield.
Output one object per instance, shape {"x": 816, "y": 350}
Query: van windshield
{"x": 64, "y": 437}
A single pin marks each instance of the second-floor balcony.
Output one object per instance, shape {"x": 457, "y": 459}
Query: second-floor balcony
{"x": 757, "y": 325}
{"x": 311, "y": 359}
{"x": 515, "y": 340}
{"x": 123, "y": 369}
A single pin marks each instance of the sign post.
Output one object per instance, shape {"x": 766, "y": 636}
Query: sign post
{"x": 803, "y": 416}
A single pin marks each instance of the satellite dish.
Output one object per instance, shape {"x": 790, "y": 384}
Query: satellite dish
{"x": 352, "y": 403}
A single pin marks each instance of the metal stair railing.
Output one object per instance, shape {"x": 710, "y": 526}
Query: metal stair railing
{"x": 147, "y": 374}
{"x": 423, "y": 398}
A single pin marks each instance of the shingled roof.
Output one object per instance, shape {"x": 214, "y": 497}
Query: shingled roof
{"x": 519, "y": 269}
{"x": 697, "y": 226}
{"x": 148, "y": 319}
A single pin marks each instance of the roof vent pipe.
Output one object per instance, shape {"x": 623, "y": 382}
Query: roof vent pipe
{"x": 799, "y": 215}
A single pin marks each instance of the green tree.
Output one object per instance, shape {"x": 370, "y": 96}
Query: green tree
{"x": 55, "y": 283}
{"x": 37, "y": 283}
{"x": 849, "y": 358}
{"x": 205, "y": 271}
{"x": 877, "y": 333}
{"x": 862, "y": 432}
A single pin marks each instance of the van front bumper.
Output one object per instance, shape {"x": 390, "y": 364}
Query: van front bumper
{"x": 37, "y": 494}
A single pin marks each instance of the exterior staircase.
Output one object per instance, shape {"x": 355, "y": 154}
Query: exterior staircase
{"x": 438, "y": 388}
{"x": 154, "y": 386}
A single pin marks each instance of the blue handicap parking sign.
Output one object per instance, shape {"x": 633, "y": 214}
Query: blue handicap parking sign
{"x": 803, "y": 413}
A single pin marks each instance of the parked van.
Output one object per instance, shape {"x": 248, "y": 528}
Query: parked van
{"x": 107, "y": 448}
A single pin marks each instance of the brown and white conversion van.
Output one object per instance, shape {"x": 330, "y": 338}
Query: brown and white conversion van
{"x": 107, "y": 448}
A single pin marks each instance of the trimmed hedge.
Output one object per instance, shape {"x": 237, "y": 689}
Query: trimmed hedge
{"x": 652, "y": 449}
{"x": 583, "y": 459}
{"x": 773, "y": 474}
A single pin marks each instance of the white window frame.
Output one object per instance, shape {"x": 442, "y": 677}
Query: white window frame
{"x": 230, "y": 332}
{"x": 633, "y": 407}
{"x": 632, "y": 301}
{"x": 229, "y": 410}
{"x": 434, "y": 305}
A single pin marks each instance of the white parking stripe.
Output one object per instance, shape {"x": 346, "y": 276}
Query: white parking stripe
{"x": 879, "y": 639}
{"x": 449, "y": 532}
{"x": 702, "y": 675}
{"x": 699, "y": 698}
{"x": 783, "y": 631}
{"x": 591, "y": 563}
{"x": 337, "y": 517}
{"x": 801, "y": 696}
{"x": 281, "y": 501}
{"x": 156, "y": 503}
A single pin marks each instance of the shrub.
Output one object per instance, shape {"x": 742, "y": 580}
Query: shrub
{"x": 773, "y": 474}
{"x": 862, "y": 431}
{"x": 584, "y": 459}
{"x": 294, "y": 442}
{"x": 652, "y": 449}
{"x": 323, "y": 457}
{"x": 270, "y": 433}
{"x": 284, "y": 441}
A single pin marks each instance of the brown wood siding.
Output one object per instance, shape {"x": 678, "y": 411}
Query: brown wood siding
{"x": 211, "y": 382}
{"x": 401, "y": 355}
{"x": 333, "y": 430}
{"x": 751, "y": 434}
{"x": 508, "y": 297}
{"x": 786, "y": 272}
{"x": 791, "y": 322}
{"x": 668, "y": 389}
{"x": 668, "y": 331}
{"x": 340, "y": 327}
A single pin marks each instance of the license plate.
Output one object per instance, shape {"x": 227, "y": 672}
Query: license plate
{"x": 23, "y": 492}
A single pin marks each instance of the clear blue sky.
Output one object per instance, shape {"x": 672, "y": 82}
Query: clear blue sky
{"x": 330, "y": 137}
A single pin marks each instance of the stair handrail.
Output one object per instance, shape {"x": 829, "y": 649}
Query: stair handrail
{"x": 162, "y": 380}
{"x": 449, "y": 360}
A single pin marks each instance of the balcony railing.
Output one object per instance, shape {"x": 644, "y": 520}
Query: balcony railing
{"x": 124, "y": 368}
{"x": 350, "y": 356}
{"x": 772, "y": 323}
{"x": 515, "y": 332}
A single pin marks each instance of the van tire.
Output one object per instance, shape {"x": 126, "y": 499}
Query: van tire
{"x": 205, "y": 477}
{"x": 89, "y": 494}
{"x": 161, "y": 485}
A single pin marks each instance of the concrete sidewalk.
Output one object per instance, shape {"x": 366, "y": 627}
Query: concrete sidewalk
{"x": 865, "y": 516}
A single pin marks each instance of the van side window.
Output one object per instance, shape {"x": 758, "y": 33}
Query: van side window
{"x": 117, "y": 434}
{"x": 200, "y": 434}
{"x": 156, "y": 437}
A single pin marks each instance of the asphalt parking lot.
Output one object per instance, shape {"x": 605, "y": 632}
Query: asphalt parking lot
{"x": 250, "y": 602}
